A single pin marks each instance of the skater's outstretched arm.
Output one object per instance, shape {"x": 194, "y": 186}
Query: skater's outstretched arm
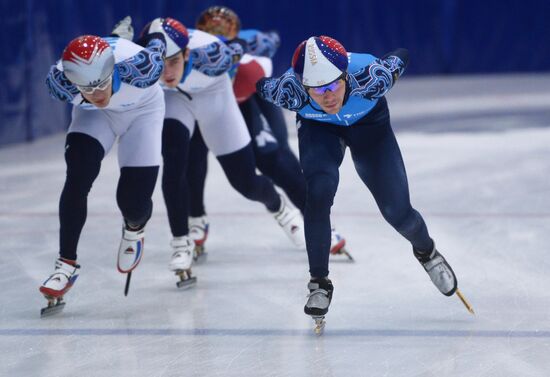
{"x": 59, "y": 85}
{"x": 285, "y": 91}
{"x": 216, "y": 58}
{"x": 376, "y": 79}
{"x": 145, "y": 68}
{"x": 261, "y": 43}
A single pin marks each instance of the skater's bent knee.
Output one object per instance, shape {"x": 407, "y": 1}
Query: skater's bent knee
{"x": 322, "y": 188}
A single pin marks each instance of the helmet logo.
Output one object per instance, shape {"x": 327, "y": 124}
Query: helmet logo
{"x": 311, "y": 52}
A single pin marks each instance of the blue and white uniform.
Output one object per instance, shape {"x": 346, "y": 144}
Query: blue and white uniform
{"x": 368, "y": 80}
{"x": 205, "y": 98}
{"x": 135, "y": 115}
{"x": 209, "y": 100}
{"x": 135, "y": 110}
{"x": 363, "y": 125}
{"x": 266, "y": 122}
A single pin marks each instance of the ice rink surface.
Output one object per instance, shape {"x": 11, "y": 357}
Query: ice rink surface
{"x": 477, "y": 151}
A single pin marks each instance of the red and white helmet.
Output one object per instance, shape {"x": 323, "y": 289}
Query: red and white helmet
{"x": 176, "y": 35}
{"x": 88, "y": 60}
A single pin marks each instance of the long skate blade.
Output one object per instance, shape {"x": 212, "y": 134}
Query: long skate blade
{"x": 187, "y": 283}
{"x": 51, "y": 310}
{"x": 127, "y": 287}
{"x": 348, "y": 255}
{"x": 464, "y": 301}
{"x": 343, "y": 252}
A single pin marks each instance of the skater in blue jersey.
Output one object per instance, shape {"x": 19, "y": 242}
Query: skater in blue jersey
{"x": 265, "y": 123}
{"x": 339, "y": 101}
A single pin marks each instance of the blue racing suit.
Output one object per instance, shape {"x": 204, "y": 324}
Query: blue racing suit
{"x": 363, "y": 125}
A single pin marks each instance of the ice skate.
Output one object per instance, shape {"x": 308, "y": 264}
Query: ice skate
{"x": 182, "y": 259}
{"x": 292, "y": 223}
{"x": 130, "y": 252}
{"x": 198, "y": 231}
{"x": 438, "y": 269}
{"x": 442, "y": 275}
{"x": 319, "y": 298}
{"x": 338, "y": 245}
{"x": 57, "y": 285}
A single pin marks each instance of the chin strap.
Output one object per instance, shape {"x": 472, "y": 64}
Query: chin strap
{"x": 348, "y": 89}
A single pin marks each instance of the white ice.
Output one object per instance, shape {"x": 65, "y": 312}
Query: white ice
{"x": 477, "y": 151}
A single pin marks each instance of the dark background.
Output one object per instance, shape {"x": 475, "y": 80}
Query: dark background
{"x": 444, "y": 37}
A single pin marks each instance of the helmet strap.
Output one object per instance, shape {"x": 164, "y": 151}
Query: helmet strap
{"x": 348, "y": 89}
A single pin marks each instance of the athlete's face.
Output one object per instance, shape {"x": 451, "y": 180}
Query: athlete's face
{"x": 173, "y": 69}
{"x": 100, "y": 96}
{"x": 329, "y": 97}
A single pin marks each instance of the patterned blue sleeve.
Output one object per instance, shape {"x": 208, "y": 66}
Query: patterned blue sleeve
{"x": 376, "y": 79}
{"x": 213, "y": 59}
{"x": 59, "y": 85}
{"x": 264, "y": 44}
{"x": 285, "y": 91}
{"x": 143, "y": 69}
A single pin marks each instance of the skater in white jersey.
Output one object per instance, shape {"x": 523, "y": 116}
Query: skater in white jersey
{"x": 198, "y": 91}
{"x": 113, "y": 86}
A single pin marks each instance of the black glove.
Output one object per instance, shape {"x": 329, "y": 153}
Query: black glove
{"x": 401, "y": 53}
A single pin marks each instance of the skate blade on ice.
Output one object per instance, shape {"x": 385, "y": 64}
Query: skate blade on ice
{"x": 55, "y": 305}
{"x": 186, "y": 280}
{"x": 464, "y": 301}
{"x": 319, "y": 324}
{"x": 127, "y": 285}
{"x": 343, "y": 251}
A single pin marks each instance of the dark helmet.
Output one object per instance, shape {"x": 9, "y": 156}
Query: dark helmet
{"x": 219, "y": 20}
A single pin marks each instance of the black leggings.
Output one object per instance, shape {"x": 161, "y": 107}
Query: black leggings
{"x": 378, "y": 163}
{"x": 239, "y": 167}
{"x": 196, "y": 174}
{"x": 83, "y": 155}
{"x": 274, "y": 158}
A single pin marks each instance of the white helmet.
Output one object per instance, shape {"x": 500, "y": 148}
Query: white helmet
{"x": 319, "y": 61}
{"x": 176, "y": 35}
{"x": 88, "y": 60}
